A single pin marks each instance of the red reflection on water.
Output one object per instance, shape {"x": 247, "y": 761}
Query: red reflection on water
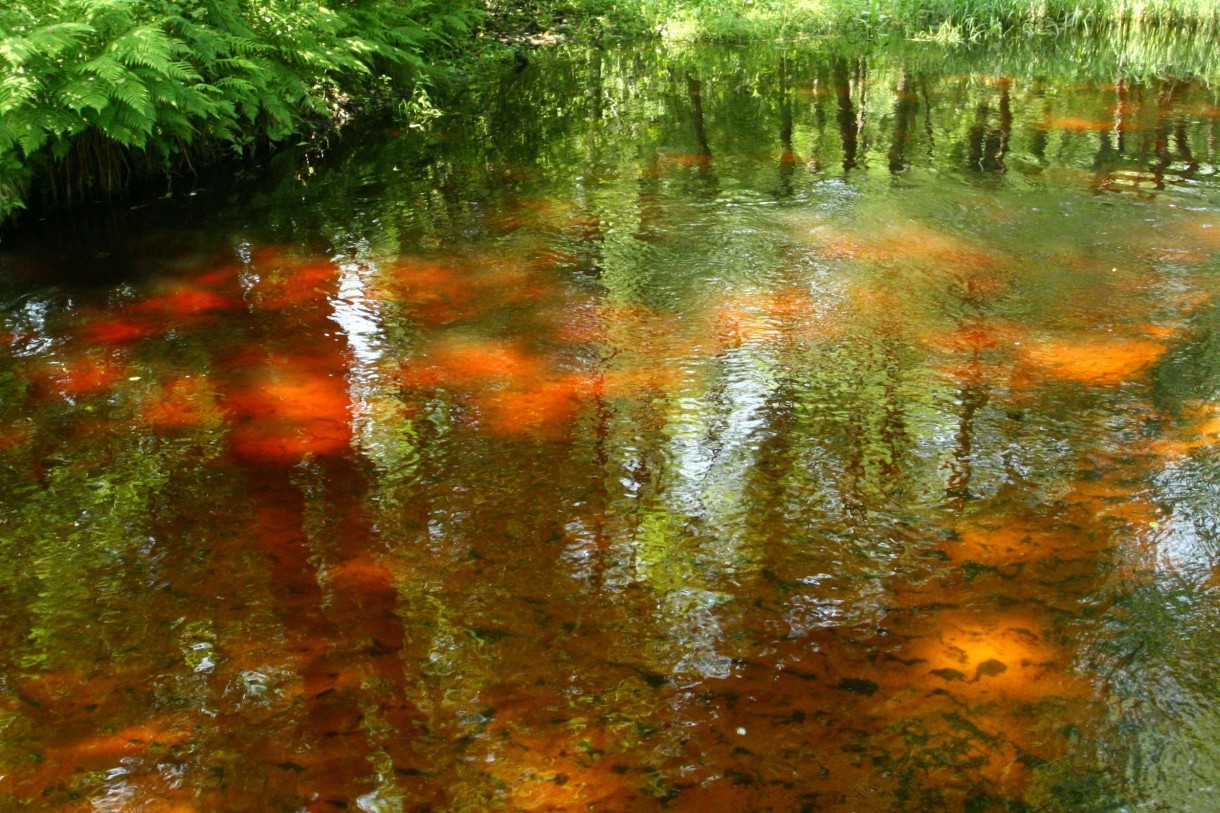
{"x": 284, "y": 406}
{"x": 283, "y": 389}
{"x": 118, "y": 330}
{"x": 73, "y": 375}
{"x": 435, "y": 293}
{"x": 182, "y": 304}
{"x": 513, "y": 391}
{"x": 13, "y": 437}
{"x": 188, "y": 302}
{"x": 342, "y": 639}
{"x": 462, "y": 289}
{"x": 282, "y": 279}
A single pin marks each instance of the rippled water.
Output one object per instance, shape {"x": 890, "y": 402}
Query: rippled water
{"x": 704, "y": 430}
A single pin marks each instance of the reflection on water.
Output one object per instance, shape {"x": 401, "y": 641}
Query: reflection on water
{"x": 699, "y": 431}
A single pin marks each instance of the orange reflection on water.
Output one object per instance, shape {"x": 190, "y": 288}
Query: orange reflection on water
{"x": 1201, "y": 429}
{"x": 287, "y": 406}
{"x": 683, "y": 159}
{"x": 1206, "y": 234}
{"x": 649, "y": 351}
{"x": 1100, "y": 362}
{"x": 1062, "y": 175}
{"x": 979, "y": 336}
{"x": 462, "y": 619}
{"x": 515, "y": 392}
{"x": 471, "y": 363}
{"x": 1008, "y": 544}
{"x": 459, "y": 289}
{"x": 109, "y": 748}
{"x": 1180, "y": 256}
{"x": 907, "y": 241}
{"x": 581, "y": 323}
{"x": 527, "y": 212}
{"x": 1087, "y": 125}
{"x": 76, "y": 752}
{"x": 769, "y": 316}
{"x": 984, "y": 656}
{"x": 544, "y": 406}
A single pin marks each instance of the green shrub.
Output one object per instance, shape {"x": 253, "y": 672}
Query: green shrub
{"x": 93, "y": 92}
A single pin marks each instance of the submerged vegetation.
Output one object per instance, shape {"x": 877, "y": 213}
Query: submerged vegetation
{"x": 96, "y": 95}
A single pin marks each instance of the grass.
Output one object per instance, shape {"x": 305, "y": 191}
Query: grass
{"x": 946, "y": 20}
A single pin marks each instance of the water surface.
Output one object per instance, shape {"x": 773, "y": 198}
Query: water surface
{"x": 793, "y": 430}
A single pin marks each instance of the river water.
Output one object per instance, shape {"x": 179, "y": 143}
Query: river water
{"x": 771, "y": 429}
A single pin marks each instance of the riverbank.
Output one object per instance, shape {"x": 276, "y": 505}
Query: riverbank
{"x": 98, "y": 97}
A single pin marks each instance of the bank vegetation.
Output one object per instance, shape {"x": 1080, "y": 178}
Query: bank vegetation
{"x": 97, "y": 96}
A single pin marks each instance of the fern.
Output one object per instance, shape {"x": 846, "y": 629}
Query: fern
{"x": 152, "y": 78}
{"x": 149, "y": 47}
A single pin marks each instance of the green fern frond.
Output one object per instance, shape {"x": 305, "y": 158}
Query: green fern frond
{"x": 182, "y": 71}
{"x": 81, "y": 94}
{"x": 46, "y": 43}
{"x": 105, "y": 67}
{"x": 147, "y": 46}
{"x": 134, "y": 94}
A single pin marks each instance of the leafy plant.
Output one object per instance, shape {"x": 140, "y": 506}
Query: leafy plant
{"x": 94, "y": 93}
